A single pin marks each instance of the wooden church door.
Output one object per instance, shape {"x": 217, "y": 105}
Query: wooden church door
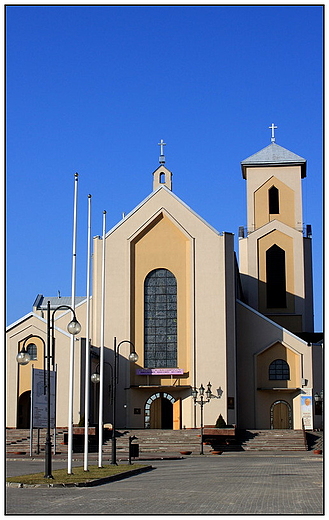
{"x": 281, "y": 415}
{"x": 177, "y": 415}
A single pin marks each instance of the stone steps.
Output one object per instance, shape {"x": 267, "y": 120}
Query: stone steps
{"x": 18, "y": 440}
{"x": 278, "y": 440}
{"x": 159, "y": 442}
{"x": 165, "y": 442}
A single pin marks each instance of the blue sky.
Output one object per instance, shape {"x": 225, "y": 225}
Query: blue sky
{"x": 93, "y": 89}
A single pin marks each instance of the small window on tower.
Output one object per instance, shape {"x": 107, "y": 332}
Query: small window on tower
{"x": 273, "y": 200}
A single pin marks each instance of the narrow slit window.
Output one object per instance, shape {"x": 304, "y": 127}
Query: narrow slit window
{"x": 273, "y": 200}
{"x": 276, "y": 277}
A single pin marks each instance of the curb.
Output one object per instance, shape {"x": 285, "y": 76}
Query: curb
{"x": 91, "y": 483}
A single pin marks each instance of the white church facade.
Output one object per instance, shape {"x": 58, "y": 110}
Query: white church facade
{"x": 173, "y": 288}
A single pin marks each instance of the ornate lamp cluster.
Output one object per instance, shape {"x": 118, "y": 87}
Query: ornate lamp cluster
{"x": 202, "y": 401}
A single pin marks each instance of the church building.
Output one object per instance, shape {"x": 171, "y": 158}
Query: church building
{"x": 170, "y": 285}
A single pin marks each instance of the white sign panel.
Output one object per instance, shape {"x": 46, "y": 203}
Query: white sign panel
{"x": 306, "y": 406}
{"x": 159, "y": 371}
{"x": 39, "y": 399}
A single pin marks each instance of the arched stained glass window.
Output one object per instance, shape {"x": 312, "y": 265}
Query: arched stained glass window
{"x": 160, "y": 319}
{"x": 279, "y": 370}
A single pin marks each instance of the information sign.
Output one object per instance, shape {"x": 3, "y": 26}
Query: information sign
{"x": 39, "y": 399}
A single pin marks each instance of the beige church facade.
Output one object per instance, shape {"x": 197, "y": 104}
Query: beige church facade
{"x": 170, "y": 284}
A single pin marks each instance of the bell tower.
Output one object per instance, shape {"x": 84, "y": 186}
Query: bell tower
{"x": 162, "y": 176}
{"x": 275, "y": 249}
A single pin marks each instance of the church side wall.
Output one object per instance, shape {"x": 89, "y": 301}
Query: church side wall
{"x": 255, "y": 334}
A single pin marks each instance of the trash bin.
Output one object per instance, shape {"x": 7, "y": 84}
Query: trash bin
{"x": 133, "y": 448}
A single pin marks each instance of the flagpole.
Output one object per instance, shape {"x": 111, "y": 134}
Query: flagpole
{"x": 71, "y": 378}
{"x": 87, "y": 356}
{"x": 101, "y": 357}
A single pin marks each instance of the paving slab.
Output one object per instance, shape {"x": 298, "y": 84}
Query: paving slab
{"x": 241, "y": 483}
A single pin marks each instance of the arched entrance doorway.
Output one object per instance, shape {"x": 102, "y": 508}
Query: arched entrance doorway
{"x": 281, "y": 416}
{"x": 159, "y": 411}
{"x": 24, "y": 410}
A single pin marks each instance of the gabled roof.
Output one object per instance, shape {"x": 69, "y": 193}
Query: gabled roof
{"x": 33, "y": 315}
{"x": 274, "y": 155}
{"x": 20, "y": 320}
{"x": 152, "y": 194}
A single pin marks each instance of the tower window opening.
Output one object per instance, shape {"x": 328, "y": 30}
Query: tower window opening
{"x": 276, "y": 277}
{"x": 273, "y": 200}
{"x": 162, "y": 178}
{"x": 160, "y": 319}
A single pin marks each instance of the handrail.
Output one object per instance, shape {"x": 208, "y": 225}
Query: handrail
{"x": 304, "y": 434}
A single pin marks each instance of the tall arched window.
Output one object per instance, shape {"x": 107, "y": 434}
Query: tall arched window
{"x": 273, "y": 200}
{"x": 279, "y": 370}
{"x": 276, "y": 277}
{"x": 160, "y": 319}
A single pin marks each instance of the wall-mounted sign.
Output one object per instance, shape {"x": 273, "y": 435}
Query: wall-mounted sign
{"x": 159, "y": 372}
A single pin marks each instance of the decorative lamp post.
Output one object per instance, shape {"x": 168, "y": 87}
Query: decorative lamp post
{"x": 133, "y": 357}
{"x": 95, "y": 378}
{"x": 73, "y": 328}
{"x": 23, "y": 358}
{"x": 202, "y": 402}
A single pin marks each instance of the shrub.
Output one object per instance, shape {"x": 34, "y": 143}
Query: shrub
{"x": 220, "y": 423}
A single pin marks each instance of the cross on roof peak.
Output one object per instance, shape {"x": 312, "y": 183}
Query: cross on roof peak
{"x": 272, "y": 127}
{"x": 162, "y": 159}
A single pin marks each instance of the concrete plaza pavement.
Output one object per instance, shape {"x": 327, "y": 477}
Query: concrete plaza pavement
{"x": 241, "y": 483}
